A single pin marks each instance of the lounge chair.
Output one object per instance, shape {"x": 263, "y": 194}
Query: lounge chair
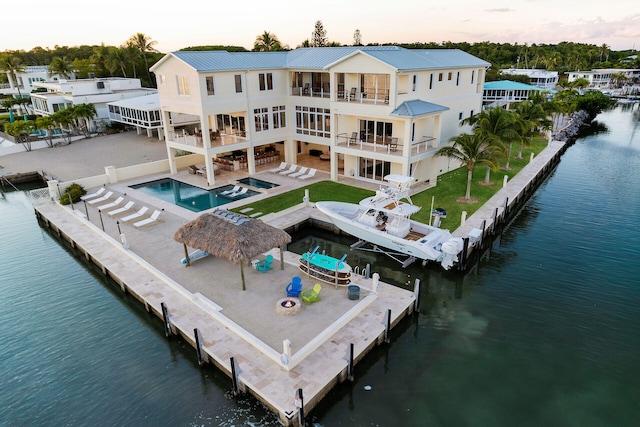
{"x": 311, "y": 174}
{"x": 353, "y": 139}
{"x": 238, "y": 193}
{"x": 301, "y": 172}
{"x": 101, "y": 199}
{"x": 154, "y": 216}
{"x": 312, "y": 295}
{"x": 264, "y": 265}
{"x": 113, "y": 204}
{"x": 292, "y": 169}
{"x": 123, "y": 209}
{"x": 295, "y": 287}
{"x": 280, "y": 168}
{"x": 227, "y": 192}
{"x": 138, "y": 214}
{"x": 92, "y": 195}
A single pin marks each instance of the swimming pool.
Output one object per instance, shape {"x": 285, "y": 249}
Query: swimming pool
{"x": 188, "y": 196}
{"x": 257, "y": 183}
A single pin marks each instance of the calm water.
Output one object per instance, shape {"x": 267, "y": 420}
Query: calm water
{"x": 257, "y": 183}
{"x": 188, "y": 196}
{"x": 545, "y": 332}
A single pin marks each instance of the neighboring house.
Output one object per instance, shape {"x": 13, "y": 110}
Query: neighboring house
{"x": 546, "y": 80}
{"x": 97, "y": 91}
{"x": 601, "y": 78}
{"x": 25, "y": 80}
{"x": 370, "y": 110}
{"x": 502, "y": 93}
{"x": 143, "y": 112}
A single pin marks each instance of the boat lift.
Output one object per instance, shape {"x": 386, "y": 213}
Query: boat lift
{"x": 363, "y": 245}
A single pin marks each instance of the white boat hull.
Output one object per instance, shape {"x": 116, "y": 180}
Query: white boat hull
{"x": 423, "y": 241}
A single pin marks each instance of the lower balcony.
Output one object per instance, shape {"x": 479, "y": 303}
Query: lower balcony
{"x": 217, "y": 139}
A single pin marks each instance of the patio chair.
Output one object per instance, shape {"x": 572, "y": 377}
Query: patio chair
{"x": 138, "y": 214}
{"x": 239, "y": 193}
{"x": 92, "y": 195}
{"x": 312, "y": 295}
{"x": 352, "y": 95}
{"x": 265, "y": 265}
{"x": 113, "y": 204}
{"x": 101, "y": 199}
{"x": 154, "y": 216}
{"x": 123, "y": 209}
{"x": 393, "y": 144}
{"x": 311, "y": 174}
{"x": 283, "y": 166}
{"x": 353, "y": 139}
{"x": 292, "y": 169}
{"x": 295, "y": 287}
{"x": 227, "y": 192}
{"x": 302, "y": 171}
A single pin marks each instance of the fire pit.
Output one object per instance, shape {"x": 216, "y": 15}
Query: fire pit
{"x": 288, "y": 306}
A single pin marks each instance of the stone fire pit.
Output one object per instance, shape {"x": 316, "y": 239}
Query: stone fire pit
{"x": 288, "y": 306}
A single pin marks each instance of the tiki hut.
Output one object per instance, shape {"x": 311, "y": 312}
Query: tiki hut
{"x": 232, "y": 236}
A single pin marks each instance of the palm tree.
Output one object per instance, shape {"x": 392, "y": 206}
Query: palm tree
{"x": 267, "y": 42}
{"x": 60, "y": 66}
{"x": 470, "y": 150}
{"x": 144, "y": 44}
{"x": 86, "y": 112}
{"x": 12, "y": 65}
{"x": 531, "y": 120}
{"x": 64, "y": 119}
{"x": 117, "y": 58}
{"x": 46, "y": 123}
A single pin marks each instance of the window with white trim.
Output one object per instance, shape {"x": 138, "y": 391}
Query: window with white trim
{"x": 162, "y": 78}
{"x": 279, "y": 116}
{"x": 261, "y": 117}
{"x": 314, "y": 121}
{"x": 183, "y": 85}
{"x": 473, "y": 75}
{"x": 210, "y": 88}
{"x": 238, "y": 82}
{"x": 415, "y": 82}
{"x": 266, "y": 81}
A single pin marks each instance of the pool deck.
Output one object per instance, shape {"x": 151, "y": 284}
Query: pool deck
{"x": 231, "y": 322}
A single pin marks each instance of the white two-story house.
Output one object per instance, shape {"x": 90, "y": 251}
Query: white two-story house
{"x": 369, "y": 110}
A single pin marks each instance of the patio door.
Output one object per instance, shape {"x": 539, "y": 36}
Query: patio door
{"x": 374, "y": 170}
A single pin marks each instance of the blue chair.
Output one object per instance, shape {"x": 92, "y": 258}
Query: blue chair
{"x": 295, "y": 287}
{"x": 265, "y": 265}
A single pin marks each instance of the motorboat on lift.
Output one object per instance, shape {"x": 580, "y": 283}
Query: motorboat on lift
{"x": 384, "y": 220}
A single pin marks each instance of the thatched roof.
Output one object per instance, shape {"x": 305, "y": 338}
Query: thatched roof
{"x": 234, "y": 237}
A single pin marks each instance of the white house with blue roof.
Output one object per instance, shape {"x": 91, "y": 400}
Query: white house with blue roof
{"x": 370, "y": 110}
{"x": 503, "y": 93}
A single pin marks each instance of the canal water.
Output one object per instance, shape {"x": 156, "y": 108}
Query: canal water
{"x": 544, "y": 331}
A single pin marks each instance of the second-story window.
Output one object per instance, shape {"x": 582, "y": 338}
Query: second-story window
{"x": 210, "y": 89}
{"x": 415, "y": 82}
{"x": 449, "y": 75}
{"x": 473, "y": 75}
{"x": 431, "y": 81}
{"x": 266, "y": 81}
{"x": 261, "y": 116}
{"x": 279, "y": 116}
{"x": 183, "y": 85}
{"x": 458, "y": 79}
{"x": 238, "y": 81}
{"x": 439, "y": 77}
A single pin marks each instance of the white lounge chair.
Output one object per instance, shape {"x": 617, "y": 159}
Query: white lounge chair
{"x": 154, "y": 216}
{"x": 135, "y": 215}
{"x": 311, "y": 174}
{"x": 123, "y": 209}
{"x": 233, "y": 190}
{"x": 239, "y": 193}
{"x": 302, "y": 171}
{"x": 101, "y": 199}
{"x": 280, "y": 168}
{"x": 92, "y": 195}
{"x": 113, "y": 204}
{"x": 292, "y": 169}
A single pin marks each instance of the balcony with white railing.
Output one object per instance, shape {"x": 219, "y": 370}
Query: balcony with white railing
{"x": 387, "y": 145}
{"x": 195, "y": 139}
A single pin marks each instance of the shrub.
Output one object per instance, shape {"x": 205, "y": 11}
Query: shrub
{"x": 75, "y": 190}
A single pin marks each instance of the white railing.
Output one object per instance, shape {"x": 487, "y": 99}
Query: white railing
{"x": 39, "y": 195}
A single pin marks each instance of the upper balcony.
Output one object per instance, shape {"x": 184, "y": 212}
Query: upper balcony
{"x": 387, "y": 144}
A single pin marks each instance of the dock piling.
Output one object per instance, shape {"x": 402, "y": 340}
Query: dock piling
{"x": 299, "y": 403}
{"x": 196, "y": 334}
{"x": 350, "y": 373}
{"x": 234, "y": 376}
{"x": 416, "y": 294}
{"x": 387, "y": 327}
{"x": 165, "y": 320}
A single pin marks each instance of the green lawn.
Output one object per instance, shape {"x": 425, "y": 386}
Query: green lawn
{"x": 450, "y": 186}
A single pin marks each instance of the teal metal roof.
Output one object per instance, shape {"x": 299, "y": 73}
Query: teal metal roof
{"x": 508, "y": 85}
{"x": 417, "y": 107}
{"x": 322, "y": 57}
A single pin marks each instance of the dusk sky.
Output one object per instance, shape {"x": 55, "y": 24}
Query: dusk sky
{"x": 175, "y": 25}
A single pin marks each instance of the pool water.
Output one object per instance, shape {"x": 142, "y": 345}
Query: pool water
{"x": 257, "y": 183}
{"x": 188, "y": 196}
